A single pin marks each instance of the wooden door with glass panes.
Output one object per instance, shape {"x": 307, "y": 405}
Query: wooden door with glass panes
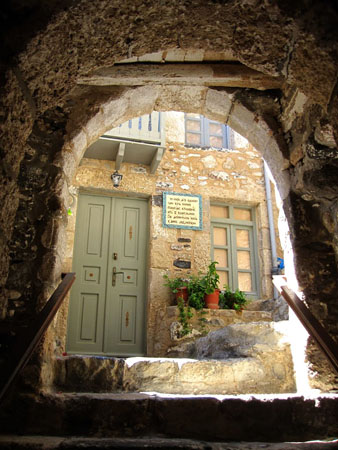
{"x": 234, "y": 247}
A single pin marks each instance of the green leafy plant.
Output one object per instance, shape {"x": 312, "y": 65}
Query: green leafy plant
{"x": 185, "y": 314}
{"x": 211, "y": 279}
{"x": 196, "y": 290}
{"x": 175, "y": 284}
{"x": 232, "y": 300}
{"x": 202, "y": 322}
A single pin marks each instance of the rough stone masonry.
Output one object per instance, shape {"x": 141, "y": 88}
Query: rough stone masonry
{"x": 44, "y": 111}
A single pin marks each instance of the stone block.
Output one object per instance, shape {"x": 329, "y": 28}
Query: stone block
{"x": 256, "y": 362}
{"x": 209, "y": 162}
{"x": 160, "y": 255}
{"x": 157, "y": 200}
{"x": 177, "y": 99}
{"x": 277, "y": 164}
{"x": 87, "y": 374}
{"x": 176, "y": 247}
{"x": 324, "y": 135}
{"x": 241, "y": 120}
{"x": 174, "y": 126}
{"x": 159, "y": 294}
{"x": 217, "y": 105}
{"x": 223, "y": 176}
{"x": 185, "y": 169}
{"x": 293, "y": 109}
{"x": 181, "y": 239}
{"x": 181, "y": 264}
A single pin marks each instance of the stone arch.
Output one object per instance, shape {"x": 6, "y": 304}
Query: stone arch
{"x": 69, "y": 42}
{"x": 221, "y": 105}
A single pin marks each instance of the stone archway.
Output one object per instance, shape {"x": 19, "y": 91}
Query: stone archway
{"x": 215, "y": 104}
{"x": 222, "y": 105}
{"x": 40, "y": 93}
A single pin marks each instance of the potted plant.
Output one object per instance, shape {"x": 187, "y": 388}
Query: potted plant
{"x": 211, "y": 284}
{"x": 232, "y": 300}
{"x": 178, "y": 286}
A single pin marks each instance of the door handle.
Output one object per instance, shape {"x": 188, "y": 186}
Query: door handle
{"x": 113, "y": 281}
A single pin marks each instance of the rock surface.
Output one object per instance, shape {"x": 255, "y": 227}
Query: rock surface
{"x": 278, "y": 308}
{"x": 237, "y": 359}
{"x": 201, "y": 323}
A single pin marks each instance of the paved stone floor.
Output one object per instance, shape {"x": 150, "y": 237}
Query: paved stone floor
{"x": 51, "y": 442}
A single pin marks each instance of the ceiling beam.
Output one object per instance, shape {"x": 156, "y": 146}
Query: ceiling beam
{"x": 136, "y": 74}
{"x": 120, "y": 155}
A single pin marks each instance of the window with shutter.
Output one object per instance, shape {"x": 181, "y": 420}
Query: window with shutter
{"x": 202, "y": 132}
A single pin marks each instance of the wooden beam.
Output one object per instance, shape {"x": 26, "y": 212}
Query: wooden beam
{"x": 227, "y": 75}
{"x": 28, "y": 339}
{"x": 156, "y": 160}
{"x": 120, "y": 155}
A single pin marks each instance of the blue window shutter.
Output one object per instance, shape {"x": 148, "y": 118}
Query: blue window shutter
{"x": 206, "y": 135}
{"x": 205, "y": 132}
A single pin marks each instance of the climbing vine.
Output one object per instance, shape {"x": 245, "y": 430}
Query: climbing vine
{"x": 185, "y": 314}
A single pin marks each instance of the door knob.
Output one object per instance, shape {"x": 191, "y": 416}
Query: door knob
{"x": 113, "y": 281}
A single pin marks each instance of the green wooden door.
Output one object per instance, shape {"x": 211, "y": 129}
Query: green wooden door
{"x": 107, "y": 309}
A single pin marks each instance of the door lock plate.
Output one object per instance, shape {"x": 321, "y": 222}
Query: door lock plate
{"x": 113, "y": 281}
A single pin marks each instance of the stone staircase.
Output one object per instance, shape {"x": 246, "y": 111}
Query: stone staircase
{"x": 235, "y": 390}
{"x": 104, "y": 418}
{"x": 242, "y": 358}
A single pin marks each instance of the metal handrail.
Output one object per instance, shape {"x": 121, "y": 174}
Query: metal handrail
{"x": 323, "y": 340}
{"x": 26, "y": 341}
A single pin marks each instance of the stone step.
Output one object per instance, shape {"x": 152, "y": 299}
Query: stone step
{"x": 66, "y": 442}
{"x": 170, "y": 375}
{"x": 238, "y": 359}
{"x": 257, "y": 418}
{"x": 278, "y": 308}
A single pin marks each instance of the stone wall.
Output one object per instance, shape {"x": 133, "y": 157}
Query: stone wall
{"x": 46, "y": 50}
{"x": 229, "y": 175}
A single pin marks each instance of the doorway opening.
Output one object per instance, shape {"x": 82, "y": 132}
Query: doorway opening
{"x": 108, "y": 303}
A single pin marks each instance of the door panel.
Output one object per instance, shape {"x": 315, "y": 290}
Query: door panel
{"x": 88, "y": 324}
{"x": 126, "y": 299}
{"x": 107, "y": 319}
{"x": 95, "y": 229}
{"x": 127, "y": 319}
{"x": 87, "y": 305}
{"x": 131, "y": 221}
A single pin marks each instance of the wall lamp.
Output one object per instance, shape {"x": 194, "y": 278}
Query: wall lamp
{"x": 116, "y": 178}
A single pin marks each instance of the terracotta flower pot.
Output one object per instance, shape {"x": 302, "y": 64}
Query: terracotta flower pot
{"x": 211, "y": 300}
{"x": 182, "y": 293}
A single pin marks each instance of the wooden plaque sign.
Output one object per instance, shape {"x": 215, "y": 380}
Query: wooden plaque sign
{"x": 182, "y": 211}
